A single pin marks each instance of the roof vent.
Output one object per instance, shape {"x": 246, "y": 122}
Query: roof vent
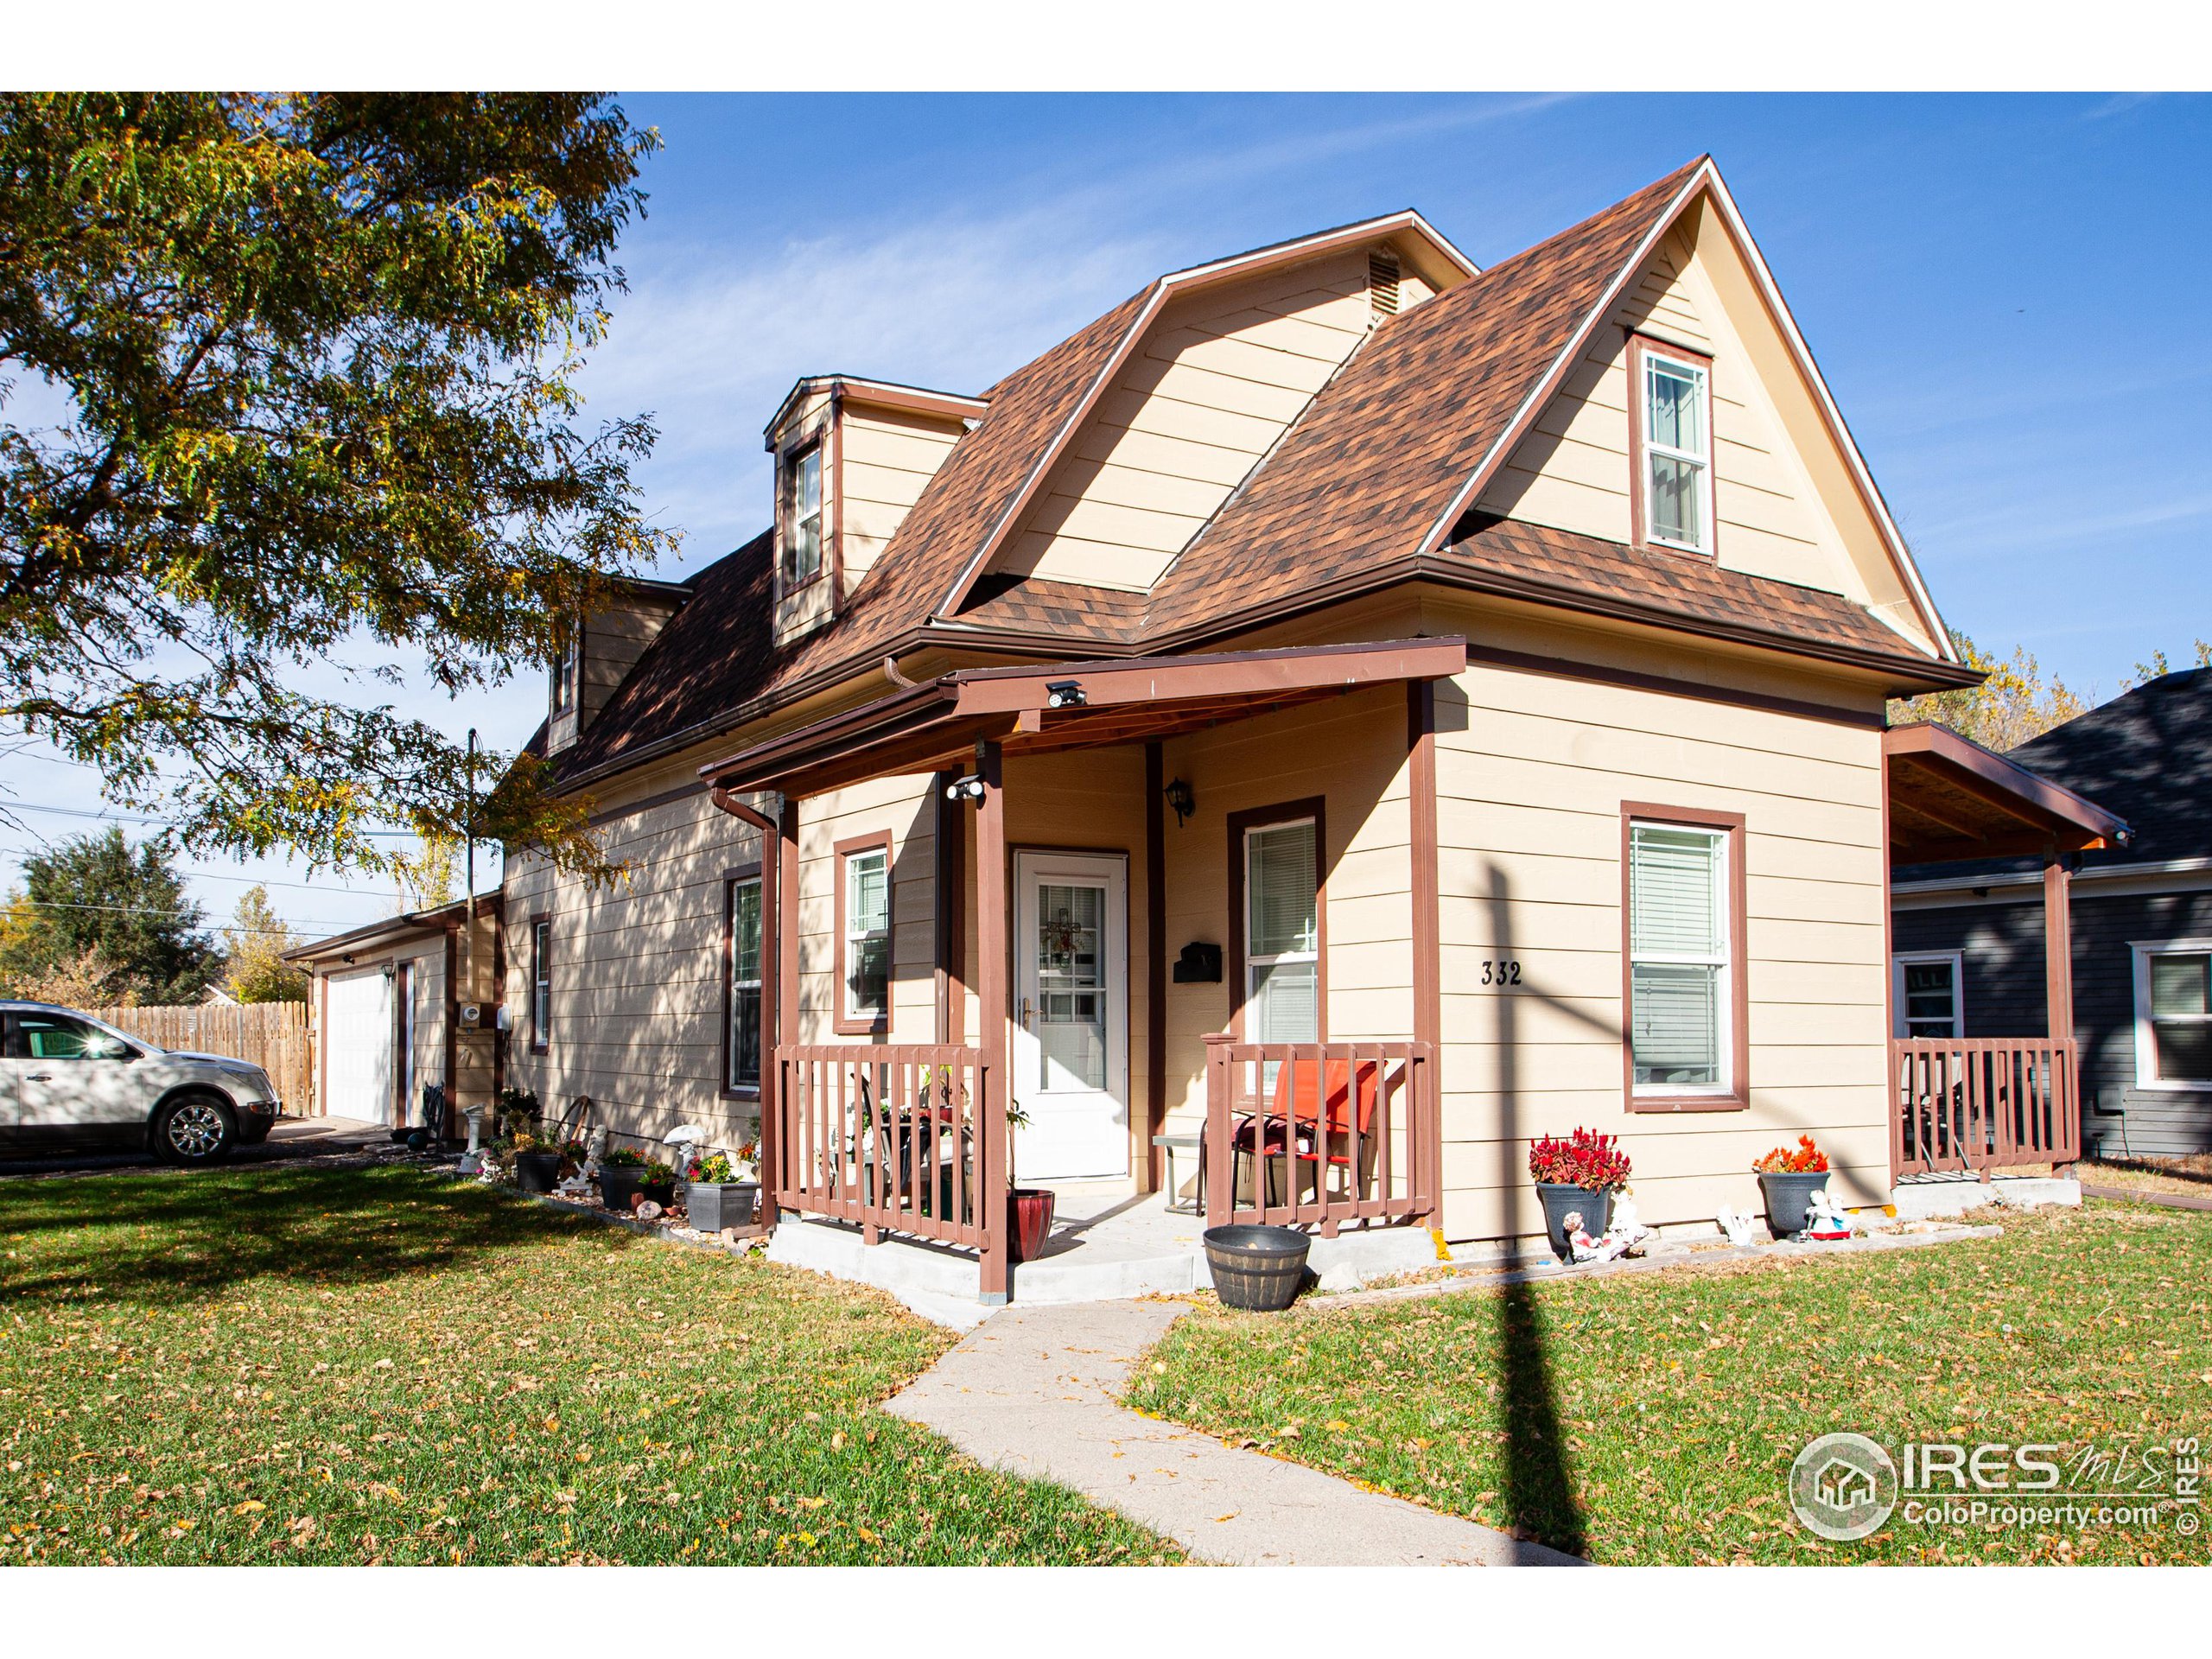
{"x": 1383, "y": 282}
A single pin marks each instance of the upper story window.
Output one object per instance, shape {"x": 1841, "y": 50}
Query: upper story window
{"x": 802, "y": 514}
{"x": 566, "y": 655}
{"x": 1675, "y": 445}
{"x": 2173, "y": 1014}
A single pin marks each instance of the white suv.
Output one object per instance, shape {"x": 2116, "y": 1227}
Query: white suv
{"x": 66, "y": 1076}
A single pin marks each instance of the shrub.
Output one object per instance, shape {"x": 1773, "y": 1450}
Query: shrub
{"x": 1585, "y": 1158}
{"x": 622, "y": 1158}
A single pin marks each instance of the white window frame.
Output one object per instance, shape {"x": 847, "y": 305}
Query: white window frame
{"x": 2146, "y": 1047}
{"x": 1653, "y": 355}
{"x": 1724, "y": 876}
{"x": 856, "y": 934}
{"x": 566, "y": 662}
{"x": 1904, "y": 959}
{"x": 734, "y": 1082}
{"x": 541, "y": 984}
{"x": 793, "y": 468}
{"x": 1253, "y": 962}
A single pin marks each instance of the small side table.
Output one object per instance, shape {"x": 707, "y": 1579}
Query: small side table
{"x": 1172, "y": 1144}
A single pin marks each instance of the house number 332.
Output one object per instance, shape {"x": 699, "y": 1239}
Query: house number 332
{"x": 1506, "y": 972}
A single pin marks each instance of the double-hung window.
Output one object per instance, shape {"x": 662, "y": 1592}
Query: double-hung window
{"x": 541, "y": 982}
{"x": 1674, "y": 424}
{"x": 744, "y": 970}
{"x": 1283, "y": 933}
{"x": 563, "y": 667}
{"x": 802, "y": 516}
{"x": 2173, "y": 1014}
{"x": 1928, "y": 995}
{"x": 1684, "y": 937}
{"x": 864, "y": 936}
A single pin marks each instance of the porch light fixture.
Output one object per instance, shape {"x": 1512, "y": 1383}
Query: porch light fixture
{"x": 1179, "y": 797}
{"x": 969, "y": 788}
{"x": 1064, "y": 694}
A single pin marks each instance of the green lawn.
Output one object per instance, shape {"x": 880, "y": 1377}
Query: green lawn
{"x": 379, "y": 1365}
{"x": 1654, "y": 1418}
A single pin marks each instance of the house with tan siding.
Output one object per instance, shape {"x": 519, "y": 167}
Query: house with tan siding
{"x": 1343, "y": 712}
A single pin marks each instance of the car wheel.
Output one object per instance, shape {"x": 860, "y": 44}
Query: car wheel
{"x": 195, "y": 1130}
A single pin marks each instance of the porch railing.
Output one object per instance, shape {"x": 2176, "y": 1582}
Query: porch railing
{"x": 1321, "y": 1134}
{"x": 1982, "y": 1104}
{"x": 889, "y": 1137}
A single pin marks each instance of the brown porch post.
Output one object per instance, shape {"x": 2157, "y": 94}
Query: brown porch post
{"x": 991, "y": 987}
{"x": 2058, "y": 1000}
{"x": 1156, "y": 953}
{"x": 1427, "y": 938}
{"x": 773, "y": 1106}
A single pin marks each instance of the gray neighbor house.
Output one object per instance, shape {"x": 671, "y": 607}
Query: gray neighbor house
{"x": 1967, "y": 939}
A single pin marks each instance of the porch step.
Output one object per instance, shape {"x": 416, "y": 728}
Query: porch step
{"x": 1102, "y": 1263}
{"x": 1926, "y": 1197}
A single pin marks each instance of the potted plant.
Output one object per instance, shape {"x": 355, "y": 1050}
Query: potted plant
{"x": 655, "y": 1184}
{"x": 1578, "y": 1175}
{"x": 1028, "y": 1209}
{"x": 722, "y": 1190}
{"x": 621, "y": 1174}
{"x": 1789, "y": 1176}
{"x": 537, "y": 1164}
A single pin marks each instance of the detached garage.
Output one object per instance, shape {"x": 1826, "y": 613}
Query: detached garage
{"x": 388, "y": 1021}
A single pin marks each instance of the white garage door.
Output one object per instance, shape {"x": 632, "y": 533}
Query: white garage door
{"x": 357, "y": 1051}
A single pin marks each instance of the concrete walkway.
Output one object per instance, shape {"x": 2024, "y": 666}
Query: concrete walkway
{"x": 1033, "y": 1391}
{"x": 2144, "y": 1195}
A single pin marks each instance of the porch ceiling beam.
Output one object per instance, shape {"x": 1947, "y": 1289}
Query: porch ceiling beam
{"x": 1950, "y": 852}
{"x": 1228, "y": 674}
{"x": 2020, "y": 795}
{"x": 1956, "y": 823}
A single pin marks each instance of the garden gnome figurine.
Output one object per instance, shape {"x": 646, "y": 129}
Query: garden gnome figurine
{"x": 1824, "y": 1217}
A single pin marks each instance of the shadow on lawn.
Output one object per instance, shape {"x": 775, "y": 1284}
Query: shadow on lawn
{"x": 1539, "y": 1489}
{"x": 163, "y": 1240}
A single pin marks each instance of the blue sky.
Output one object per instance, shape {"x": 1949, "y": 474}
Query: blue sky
{"x": 2004, "y": 292}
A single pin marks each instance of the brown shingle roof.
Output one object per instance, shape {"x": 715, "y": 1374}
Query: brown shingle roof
{"x": 1351, "y": 494}
{"x": 1377, "y": 458}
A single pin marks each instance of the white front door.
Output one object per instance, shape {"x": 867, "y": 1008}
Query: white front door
{"x": 357, "y": 1046}
{"x": 1071, "y": 1018}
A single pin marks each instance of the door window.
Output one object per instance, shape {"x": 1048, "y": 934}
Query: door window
{"x": 1071, "y": 985}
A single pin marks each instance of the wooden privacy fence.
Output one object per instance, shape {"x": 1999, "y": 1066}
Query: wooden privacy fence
{"x": 1983, "y": 1103}
{"x": 890, "y": 1136}
{"x": 272, "y": 1035}
{"x": 1305, "y": 1134}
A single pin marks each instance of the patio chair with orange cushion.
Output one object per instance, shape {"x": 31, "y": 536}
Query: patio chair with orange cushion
{"x": 1317, "y": 1106}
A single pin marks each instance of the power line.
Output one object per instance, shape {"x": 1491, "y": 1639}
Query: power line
{"x": 163, "y": 824}
{"x": 151, "y": 910}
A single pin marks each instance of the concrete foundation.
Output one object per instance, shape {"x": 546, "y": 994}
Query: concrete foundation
{"x": 1109, "y": 1244}
{"x": 1930, "y": 1197}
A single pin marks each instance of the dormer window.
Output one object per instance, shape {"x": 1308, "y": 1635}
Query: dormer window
{"x": 802, "y": 504}
{"x": 562, "y": 669}
{"x": 1673, "y": 461}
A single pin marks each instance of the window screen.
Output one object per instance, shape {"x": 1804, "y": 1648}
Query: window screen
{"x": 1678, "y": 956}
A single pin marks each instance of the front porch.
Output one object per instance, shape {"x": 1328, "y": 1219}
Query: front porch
{"x": 1051, "y": 884}
{"x": 1971, "y": 1106}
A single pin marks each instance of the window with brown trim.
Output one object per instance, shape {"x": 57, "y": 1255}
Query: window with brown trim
{"x": 1278, "y": 924}
{"x": 800, "y": 513}
{"x": 1683, "y": 995}
{"x": 863, "y": 935}
{"x": 1670, "y": 446}
{"x": 743, "y": 981}
{"x": 541, "y": 982}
